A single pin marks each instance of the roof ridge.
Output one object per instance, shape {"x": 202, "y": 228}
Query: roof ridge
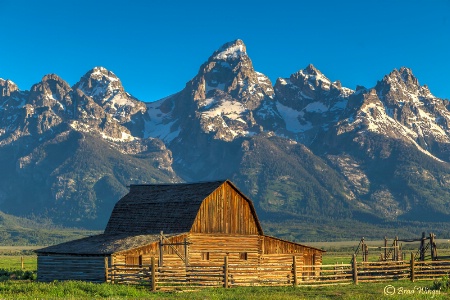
{"x": 179, "y": 183}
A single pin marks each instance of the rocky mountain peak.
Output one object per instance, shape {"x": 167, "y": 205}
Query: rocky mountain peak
{"x": 53, "y": 81}
{"x": 311, "y": 78}
{"x": 52, "y": 91}
{"x": 106, "y": 89}
{"x": 99, "y": 83}
{"x": 311, "y": 70}
{"x": 229, "y": 71}
{"x": 398, "y": 82}
{"x": 231, "y": 51}
{"x": 7, "y": 87}
{"x": 404, "y": 75}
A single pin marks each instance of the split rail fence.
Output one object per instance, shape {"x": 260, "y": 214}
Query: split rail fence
{"x": 280, "y": 274}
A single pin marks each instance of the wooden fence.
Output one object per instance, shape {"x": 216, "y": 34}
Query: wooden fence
{"x": 229, "y": 275}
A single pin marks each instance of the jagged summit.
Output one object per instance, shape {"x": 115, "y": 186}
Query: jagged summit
{"x": 7, "y": 87}
{"x": 99, "y": 82}
{"x": 231, "y": 50}
{"x": 311, "y": 70}
{"x": 404, "y": 75}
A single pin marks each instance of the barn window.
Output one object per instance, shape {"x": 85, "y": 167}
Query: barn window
{"x": 205, "y": 255}
{"x": 243, "y": 255}
{"x": 133, "y": 260}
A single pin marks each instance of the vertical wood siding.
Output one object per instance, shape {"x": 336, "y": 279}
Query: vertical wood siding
{"x": 225, "y": 211}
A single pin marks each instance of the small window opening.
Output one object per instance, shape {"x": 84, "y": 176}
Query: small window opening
{"x": 205, "y": 255}
{"x": 243, "y": 256}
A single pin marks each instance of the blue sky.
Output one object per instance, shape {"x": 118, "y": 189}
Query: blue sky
{"x": 155, "y": 47}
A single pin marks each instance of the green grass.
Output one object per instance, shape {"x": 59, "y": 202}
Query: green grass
{"x": 26, "y": 289}
{"x": 12, "y": 262}
{"x": 83, "y": 290}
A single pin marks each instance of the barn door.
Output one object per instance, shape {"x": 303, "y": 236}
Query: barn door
{"x": 164, "y": 241}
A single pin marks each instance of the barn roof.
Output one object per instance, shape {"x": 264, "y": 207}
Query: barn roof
{"x": 171, "y": 208}
{"x": 102, "y": 244}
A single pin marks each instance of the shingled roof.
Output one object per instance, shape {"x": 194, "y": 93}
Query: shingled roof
{"x": 150, "y": 209}
{"x": 102, "y": 244}
{"x": 139, "y": 217}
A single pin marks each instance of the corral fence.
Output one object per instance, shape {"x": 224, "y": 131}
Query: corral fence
{"x": 280, "y": 274}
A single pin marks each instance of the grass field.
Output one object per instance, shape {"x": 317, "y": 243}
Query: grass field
{"x": 26, "y": 289}
{"x": 82, "y": 290}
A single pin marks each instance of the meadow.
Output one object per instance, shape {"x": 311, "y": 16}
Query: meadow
{"x": 15, "y": 287}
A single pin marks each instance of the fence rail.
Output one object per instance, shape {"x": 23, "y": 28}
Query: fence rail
{"x": 230, "y": 275}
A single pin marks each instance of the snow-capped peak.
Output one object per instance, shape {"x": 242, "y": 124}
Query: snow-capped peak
{"x": 232, "y": 50}
{"x": 100, "y": 83}
{"x": 7, "y": 85}
{"x": 103, "y": 75}
{"x": 402, "y": 76}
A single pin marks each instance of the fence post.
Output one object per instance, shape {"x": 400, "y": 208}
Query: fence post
{"x": 294, "y": 267}
{"x": 106, "y": 268}
{"x": 422, "y": 247}
{"x": 153, "y": 275}
{"x": 355, "y": 270}
{"x": 412, "y": 267}
{"x": 21, "y": 262}
{"x": 225, "y": 272}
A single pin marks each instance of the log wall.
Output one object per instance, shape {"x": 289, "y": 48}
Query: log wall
{"x": 71, "y": 267}
{"x": 273, "y": 247}
{"x": 146, "y": 252}
{"x": 211, "y": 249}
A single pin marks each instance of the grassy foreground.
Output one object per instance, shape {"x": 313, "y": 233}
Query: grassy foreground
{"x": 13, "y": 288}
{"x": 82, "y": 290}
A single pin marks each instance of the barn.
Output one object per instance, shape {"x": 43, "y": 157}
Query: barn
{"x": 176, "y": 224}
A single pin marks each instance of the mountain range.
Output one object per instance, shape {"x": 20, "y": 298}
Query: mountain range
{"x": 308, "y": 151}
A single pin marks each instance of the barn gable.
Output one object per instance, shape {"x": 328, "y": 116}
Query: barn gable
{"x": 227, "y": 211}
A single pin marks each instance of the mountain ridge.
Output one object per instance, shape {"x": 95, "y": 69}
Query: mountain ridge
{"x": 304, "y": 146}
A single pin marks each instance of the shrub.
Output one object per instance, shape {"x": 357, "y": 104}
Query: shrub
{"x": 443, "y": 284}
{"x": 17, "y": 275}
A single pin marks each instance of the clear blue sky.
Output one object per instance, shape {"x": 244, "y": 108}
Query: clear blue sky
{"x": 155, "y": 47}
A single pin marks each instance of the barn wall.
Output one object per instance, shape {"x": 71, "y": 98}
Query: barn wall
{"x": 225, "y": 211}
{"x": 273, "y": 247}
{"x": 152, "y": 250}
{"x": 212, "y": 248}
{"x": 70, "y": 267}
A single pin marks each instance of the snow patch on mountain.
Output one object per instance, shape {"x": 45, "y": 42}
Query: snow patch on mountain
{"x": 292, "y": 119}
{"x": 317, "y": 107}
{"x": 232, "y": 52}
{"x": 232, "y": 109}
{"x": 161, "y": 124}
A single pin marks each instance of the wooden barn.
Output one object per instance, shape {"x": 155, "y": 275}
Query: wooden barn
{"x": 177, "y": 224}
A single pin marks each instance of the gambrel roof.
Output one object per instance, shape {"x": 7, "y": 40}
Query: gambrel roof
{"x": 171, "y": 208}
{"x": 139, "y": 217}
